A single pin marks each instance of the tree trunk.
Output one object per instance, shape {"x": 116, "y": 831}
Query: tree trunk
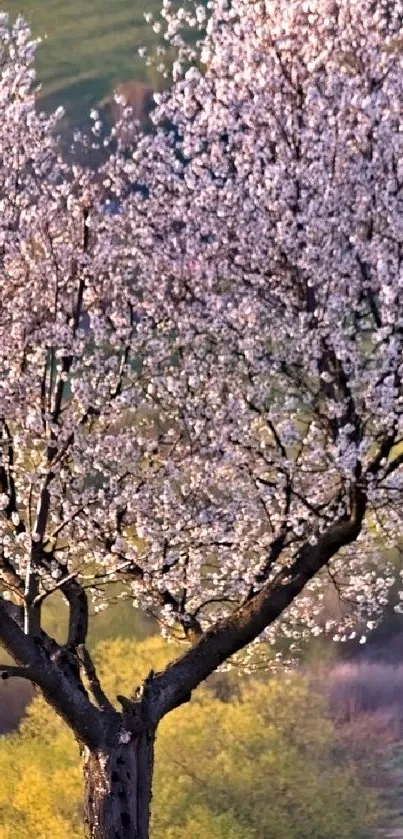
{"x": 118, "y": 783}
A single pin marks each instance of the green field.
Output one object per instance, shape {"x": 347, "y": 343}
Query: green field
{"x": 88, "y": 47}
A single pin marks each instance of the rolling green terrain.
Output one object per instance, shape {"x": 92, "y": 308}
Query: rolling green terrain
{"x": 88, "y": 47}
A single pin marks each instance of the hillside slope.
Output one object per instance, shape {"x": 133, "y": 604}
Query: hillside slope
{"x": 88, "y": 47}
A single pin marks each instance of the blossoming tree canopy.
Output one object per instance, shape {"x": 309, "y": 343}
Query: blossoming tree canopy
{"x": 281, "y": 252}
{"x": 201, "y": 395}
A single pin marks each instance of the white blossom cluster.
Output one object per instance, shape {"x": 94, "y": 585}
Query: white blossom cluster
{"x": 192, "y": 390}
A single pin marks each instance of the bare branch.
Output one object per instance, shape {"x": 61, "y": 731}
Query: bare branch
{"x": 78, "y": 611}
{"x": 8, "y": 670}
{"x": 41, "y": 656}
{"x": 93, "y": 681}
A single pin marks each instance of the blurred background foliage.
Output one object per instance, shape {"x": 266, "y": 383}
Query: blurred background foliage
{"x": 265, "y": 761}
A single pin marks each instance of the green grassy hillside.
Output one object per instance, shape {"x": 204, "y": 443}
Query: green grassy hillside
{"x": 88, "y": 46}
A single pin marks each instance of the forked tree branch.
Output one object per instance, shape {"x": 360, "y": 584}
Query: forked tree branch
{"x": 42, "y": 657}
{"x": 174, "y": 685}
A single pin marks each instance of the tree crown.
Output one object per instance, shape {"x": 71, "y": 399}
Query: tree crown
{"x": 201, "y": 395}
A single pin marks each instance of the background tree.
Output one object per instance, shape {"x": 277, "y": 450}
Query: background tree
{"x": 201, "y": 395}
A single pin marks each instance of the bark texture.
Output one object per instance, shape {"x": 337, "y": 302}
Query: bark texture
{"x": 118, "y": 784}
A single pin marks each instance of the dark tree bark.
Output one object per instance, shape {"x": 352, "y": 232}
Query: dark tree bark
{"x": 118, "y": 782}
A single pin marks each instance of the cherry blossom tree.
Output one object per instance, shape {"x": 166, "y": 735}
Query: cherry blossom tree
{"x": 201, "y": 395}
